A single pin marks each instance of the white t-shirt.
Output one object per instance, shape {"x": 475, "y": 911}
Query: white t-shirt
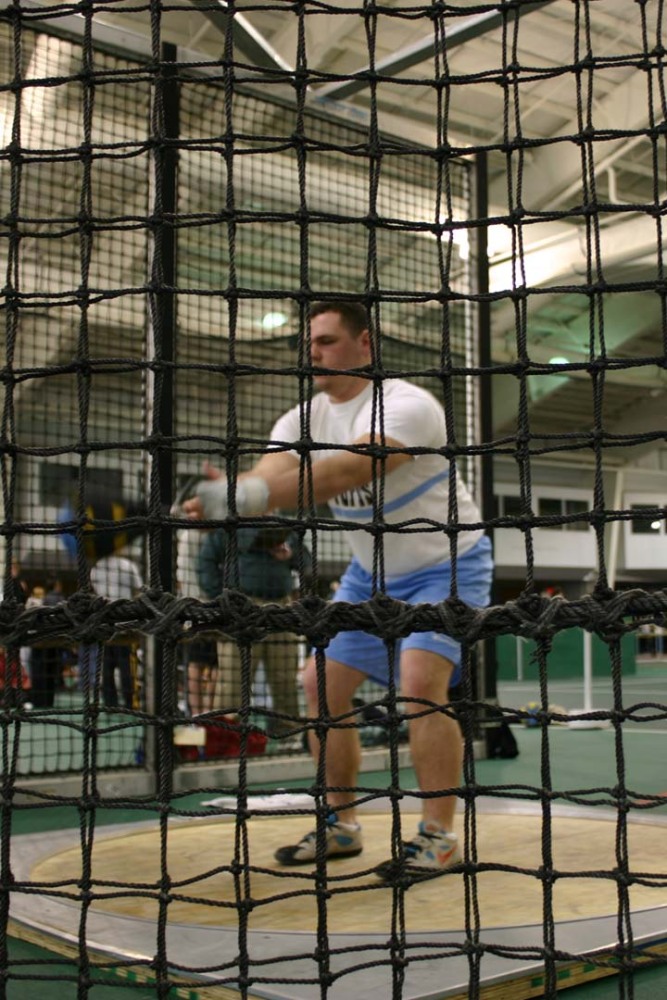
{"x": 418, "y": 490}
{"x": 116, "y": 577}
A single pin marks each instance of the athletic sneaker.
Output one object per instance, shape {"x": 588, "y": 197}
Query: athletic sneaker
{"x": 431, "y": 852}
{"x": 342, "y": 840}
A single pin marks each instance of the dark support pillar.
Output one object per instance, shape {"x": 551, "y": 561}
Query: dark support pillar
{"x": 166, "y": 268}
{"x": 166, "y": 126}
{"x": 487, "y": 678}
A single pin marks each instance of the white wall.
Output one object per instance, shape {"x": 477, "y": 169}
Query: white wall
{"x": 645, "y": 551}
{"x": 557, "y": 547}
{"x": 577, "y": 550}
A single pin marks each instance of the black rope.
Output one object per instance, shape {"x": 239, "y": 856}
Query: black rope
{"x": 88, "y": 618}
{"x": 276, "y": 204}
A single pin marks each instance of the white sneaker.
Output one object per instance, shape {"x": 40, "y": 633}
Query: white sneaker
{"x": 342, "y": 840}
{"x": 432, "y": 852}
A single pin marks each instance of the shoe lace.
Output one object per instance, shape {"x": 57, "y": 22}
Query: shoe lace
{"x": 418, "y": 843}
{"x": 311, "y": 837}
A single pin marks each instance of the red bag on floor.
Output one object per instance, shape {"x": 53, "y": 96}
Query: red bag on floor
{"x": 223, "y": 739}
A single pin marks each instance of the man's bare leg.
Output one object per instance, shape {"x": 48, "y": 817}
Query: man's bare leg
{"x": 343, "y": 748}
{"x": 435, "y": 739}
{"x": 195, "y": 686}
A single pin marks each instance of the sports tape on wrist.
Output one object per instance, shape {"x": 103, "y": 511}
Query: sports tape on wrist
{"x": 252, "y": 497}
{"x": 212, "y": 494}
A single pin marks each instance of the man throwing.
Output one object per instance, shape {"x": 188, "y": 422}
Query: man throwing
{"x": 417, "y": 569}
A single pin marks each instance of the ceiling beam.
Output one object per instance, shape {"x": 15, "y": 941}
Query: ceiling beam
{"x": 247, "y": 39}
{"x": 564, "y": 261}
{"x": 426, "y": 48}
{"x": 319, "y": 42}
{"x": 554, "y": 177}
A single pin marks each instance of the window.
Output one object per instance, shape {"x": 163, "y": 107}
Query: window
{"x": 550, "y": 507}
{"x": 508, "y": 506}
{"x": 562, "y": 507}
{"x": 651, "y": 525}
{"x": 576, "y": 507}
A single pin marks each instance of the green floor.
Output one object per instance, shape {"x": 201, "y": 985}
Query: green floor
{"x": 579, "y": 760}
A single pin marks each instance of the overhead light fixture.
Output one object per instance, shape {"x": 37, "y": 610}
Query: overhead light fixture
{"x": 273, "y": 320}
{"x": 559, "y": 361}
{"x": 655, "y": 525}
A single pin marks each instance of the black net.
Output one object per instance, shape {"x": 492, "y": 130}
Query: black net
{"x": 486, "y": 182}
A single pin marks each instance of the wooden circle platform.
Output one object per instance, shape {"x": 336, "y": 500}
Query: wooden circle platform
{"x": 127, "y": 868}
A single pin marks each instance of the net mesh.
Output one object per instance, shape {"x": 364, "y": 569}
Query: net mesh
{"x": 167, "y": 223}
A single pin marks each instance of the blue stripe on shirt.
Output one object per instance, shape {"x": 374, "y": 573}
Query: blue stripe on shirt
{"x": 366, "y": 513}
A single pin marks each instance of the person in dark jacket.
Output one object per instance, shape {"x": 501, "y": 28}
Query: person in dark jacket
{"x": 47, "y": 660}
{"x": 262, "y": 568}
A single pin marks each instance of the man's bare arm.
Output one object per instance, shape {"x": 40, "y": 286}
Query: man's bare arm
{"x": 273, "y": 464}
{"x": 330, "y": 476}
{"x": 211, "y": 498}
{"x": 274, "y": 482}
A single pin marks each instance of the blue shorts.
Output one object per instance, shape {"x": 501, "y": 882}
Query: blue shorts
{"x": 368, "y": 653}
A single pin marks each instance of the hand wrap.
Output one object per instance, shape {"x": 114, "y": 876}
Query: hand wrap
{"x": 252, "y": 497}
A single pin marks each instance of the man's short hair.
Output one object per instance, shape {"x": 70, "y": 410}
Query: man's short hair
{"x": 353, "y": 314}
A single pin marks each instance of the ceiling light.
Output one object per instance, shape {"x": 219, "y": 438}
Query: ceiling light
{"x": 273, "y": 320}
{"x": 558, "y": 360}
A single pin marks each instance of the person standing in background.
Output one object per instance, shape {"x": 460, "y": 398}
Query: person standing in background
{"x": 262, "y": 569}
{"x": 117, "y": 578}
{"x": 15, "y": 670}
{"x": 201, "y": 656}
{"x": 47, "y": 661}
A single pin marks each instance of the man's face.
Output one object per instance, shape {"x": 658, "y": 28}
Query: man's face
{"x": 333, "y": 346}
